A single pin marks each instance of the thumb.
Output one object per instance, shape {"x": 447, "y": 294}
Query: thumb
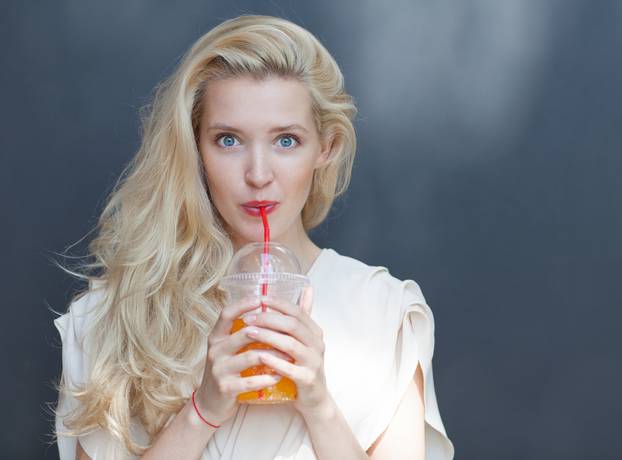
{"x": 306, "y": 301}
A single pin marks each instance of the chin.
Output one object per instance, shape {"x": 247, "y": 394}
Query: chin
{"x": 251, "y": 229}
{"x": 253, "y": 237}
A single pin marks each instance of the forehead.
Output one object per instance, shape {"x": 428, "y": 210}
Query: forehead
{"x": 244, "y": 100}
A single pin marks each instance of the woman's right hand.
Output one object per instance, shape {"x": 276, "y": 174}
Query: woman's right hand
{"x": 216, "y": 397}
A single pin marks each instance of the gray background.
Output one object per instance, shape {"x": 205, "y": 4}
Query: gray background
{"x": 488, "y": 170}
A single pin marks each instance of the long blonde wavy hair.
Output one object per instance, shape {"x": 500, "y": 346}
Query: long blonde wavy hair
{"x": 160, "y": 245}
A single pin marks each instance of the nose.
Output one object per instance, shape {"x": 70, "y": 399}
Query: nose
{"x": 258, "y": 171}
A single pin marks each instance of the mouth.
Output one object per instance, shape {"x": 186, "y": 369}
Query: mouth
{"x": 253, "y": 208}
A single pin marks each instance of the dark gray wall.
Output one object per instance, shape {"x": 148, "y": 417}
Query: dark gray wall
{"x": 488, "y": 170}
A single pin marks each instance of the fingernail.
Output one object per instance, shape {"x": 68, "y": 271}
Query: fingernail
{"x": 252, "y": 331}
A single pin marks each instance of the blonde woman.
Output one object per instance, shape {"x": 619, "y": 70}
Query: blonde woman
{"x": 256, "y": 114}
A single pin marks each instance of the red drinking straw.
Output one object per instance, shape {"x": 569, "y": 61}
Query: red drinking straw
{"x": 266, "y": 240}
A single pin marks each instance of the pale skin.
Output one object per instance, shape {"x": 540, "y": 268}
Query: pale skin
{"x": 250, "y": 159}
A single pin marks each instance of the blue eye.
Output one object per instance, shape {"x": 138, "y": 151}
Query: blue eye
{"x": 228, "y": 140}
{"x": 288, "y": 138}
{"x": 288, "y": 141}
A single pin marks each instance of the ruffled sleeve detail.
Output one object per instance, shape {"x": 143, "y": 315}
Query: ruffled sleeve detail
{"x": 72, "y": 328}
{"x": 402, "y": 305}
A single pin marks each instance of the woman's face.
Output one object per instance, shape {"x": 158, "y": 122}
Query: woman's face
{"x": 258, "y": 142}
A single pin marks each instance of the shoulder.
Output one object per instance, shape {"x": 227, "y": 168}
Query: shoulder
{"x": 377, "y": 280}
{"x": 73, "y": 326}
{"x": 83, "y": 306}
{"x": 355, "y": 270}
{"x": 375, "y": 285}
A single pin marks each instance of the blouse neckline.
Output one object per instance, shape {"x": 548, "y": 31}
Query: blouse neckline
{"x": 316, "y": 262}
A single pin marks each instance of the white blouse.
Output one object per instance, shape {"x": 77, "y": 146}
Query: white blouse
{"x": 376, "y": 328}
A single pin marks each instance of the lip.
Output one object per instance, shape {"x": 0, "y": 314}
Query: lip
{"x": 256, "y": 204}
{"x": 253, "y": 207}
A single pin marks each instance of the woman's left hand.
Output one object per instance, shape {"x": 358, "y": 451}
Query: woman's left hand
{"x": 294, "y": 332}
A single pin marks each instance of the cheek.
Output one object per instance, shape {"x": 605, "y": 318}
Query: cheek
{"x": 220, "y": 167}
{"x": 215, "y": 181}
{"x": 300, "y": 182}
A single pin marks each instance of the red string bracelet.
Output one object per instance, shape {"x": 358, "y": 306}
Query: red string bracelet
{"x": 199, "y": 413}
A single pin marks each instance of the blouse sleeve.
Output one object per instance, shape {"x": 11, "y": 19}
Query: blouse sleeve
{"x": 71, "y": 326}
{"x": 413, "y": 343}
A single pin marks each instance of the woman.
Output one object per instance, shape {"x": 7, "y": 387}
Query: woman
{"x": 256, "y": 111}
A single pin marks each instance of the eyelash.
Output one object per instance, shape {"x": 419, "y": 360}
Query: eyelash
{"x": 293, "y": 136}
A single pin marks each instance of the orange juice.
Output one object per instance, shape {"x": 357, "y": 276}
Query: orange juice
{"x": 259, "y": 267}
{"x": 282, "y": 391}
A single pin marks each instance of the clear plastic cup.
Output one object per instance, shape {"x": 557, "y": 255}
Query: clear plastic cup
{"x": 281, "y": 272}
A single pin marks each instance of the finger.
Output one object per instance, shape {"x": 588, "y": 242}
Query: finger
{"x": 240, "y": 362}
{"x": 277, "y": 353}
{"x": 286, "y": 324}
{"x": 233, "y": 344}
{"x": 307, "y": 300}
{"x": 231, "y": 312}
{"x": 282, "y": 342}
{"x": 291, "y": 309}
{"x": 299, "y": 374}
{"x": 237, "y": 385}
{"x": 247, "y": 360}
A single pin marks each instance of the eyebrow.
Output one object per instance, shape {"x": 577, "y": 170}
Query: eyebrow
{"x": 273, "y": 130}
